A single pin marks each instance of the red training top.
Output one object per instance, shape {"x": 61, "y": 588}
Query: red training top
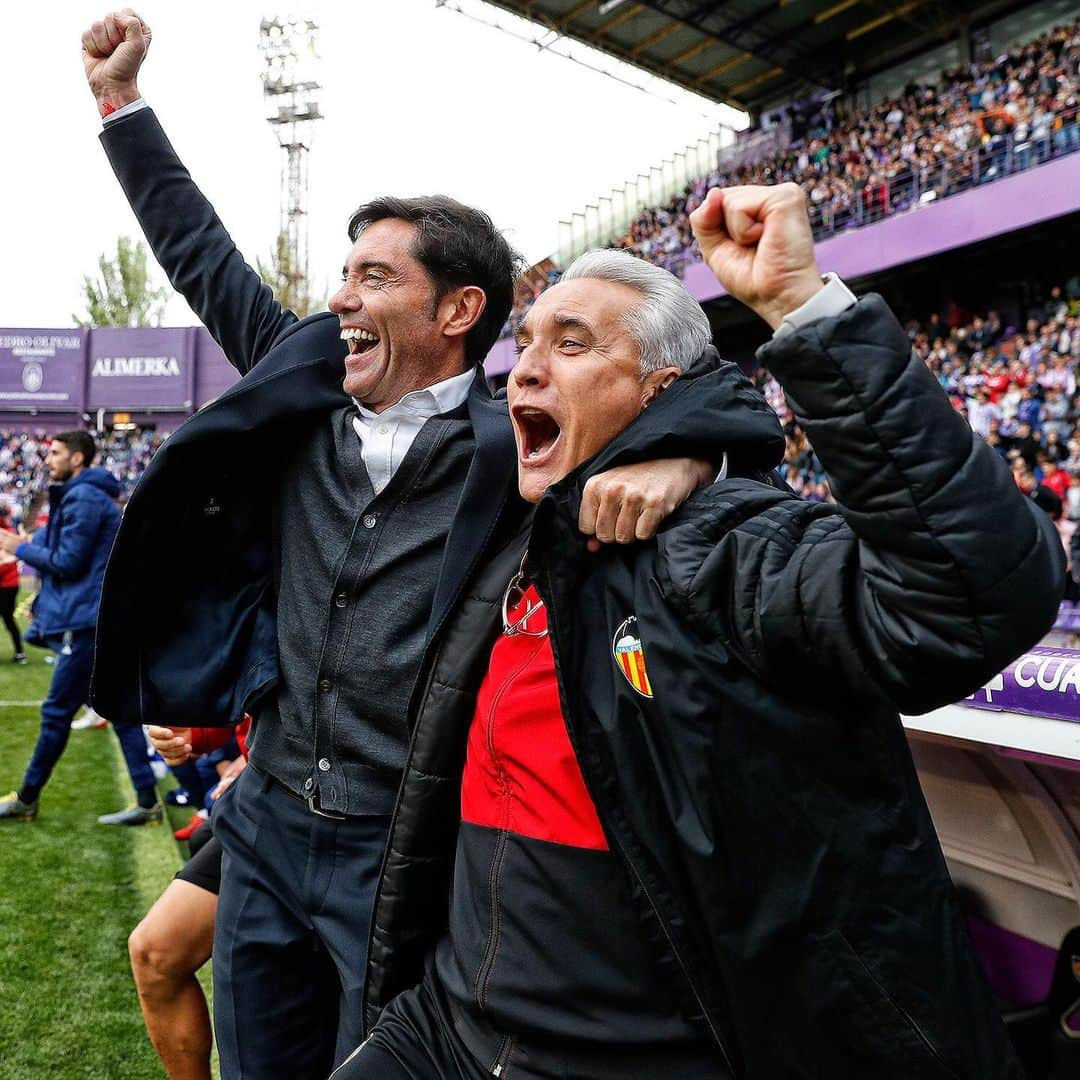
{"x": 9, "y": 572}
{"x": 206, "y": 739}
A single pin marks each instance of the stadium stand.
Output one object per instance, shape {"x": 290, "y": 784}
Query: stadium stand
{"x": 125, "y": 452}
{"x": 975, "y": 125}
{"x": 1016, "y": 385}
{"x": 1002, "y": 337}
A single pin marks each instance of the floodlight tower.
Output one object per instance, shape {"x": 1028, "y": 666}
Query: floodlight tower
{"x": 289, "y": 86}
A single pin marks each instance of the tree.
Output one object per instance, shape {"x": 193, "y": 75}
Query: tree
{"x": 287, "y": 281}
{"x": 123, "y": 294}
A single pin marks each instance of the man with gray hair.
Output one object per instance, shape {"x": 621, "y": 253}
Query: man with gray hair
{"x": 692, "y": 842}
{"x": 667, "y": 322}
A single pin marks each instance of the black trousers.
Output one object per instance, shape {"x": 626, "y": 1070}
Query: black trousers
{"x": 69, "y": 690}
{"x": 291, "y": 933}
{"x": 421, "y": 1035}
{"x": 7, "y": 615}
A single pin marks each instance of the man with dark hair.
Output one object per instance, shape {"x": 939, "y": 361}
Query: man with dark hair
{"x": 70, "y": 555}
{"x": 451, "y": 242}
{"x": 81, "y": 441}
{"x": 319, "y": 578}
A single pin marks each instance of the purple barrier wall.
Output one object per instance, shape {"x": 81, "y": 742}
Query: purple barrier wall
{"x": 42, "y": 369}
{"x": 48, "y": 422}
{"x": 1042, "y": 682}
{"x": 1017, "y": 968}
{"x": 213, "y": 373}
{"x": 1016, "y": 202}
{"x": 141, "y": 369}
{"x": 159, "y": 375}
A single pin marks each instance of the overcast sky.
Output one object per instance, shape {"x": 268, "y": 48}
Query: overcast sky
{"x": 417, "y": 98}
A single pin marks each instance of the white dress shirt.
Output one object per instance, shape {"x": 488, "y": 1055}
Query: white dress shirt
{"x": 385, "y": 437}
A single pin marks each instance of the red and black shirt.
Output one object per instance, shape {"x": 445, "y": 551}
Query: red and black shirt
{"x": 543, "y": 940}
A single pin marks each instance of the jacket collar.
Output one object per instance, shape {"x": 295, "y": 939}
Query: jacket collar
{"x": 441, "y": 397}
{"x": 489, "y": 486}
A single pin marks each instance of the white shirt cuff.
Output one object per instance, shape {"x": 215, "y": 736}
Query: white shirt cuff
{"x": 125, "y": 110}
{"x": 831, "y": 300}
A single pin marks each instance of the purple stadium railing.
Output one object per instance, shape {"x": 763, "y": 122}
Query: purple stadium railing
{"x": 958, "y": 172}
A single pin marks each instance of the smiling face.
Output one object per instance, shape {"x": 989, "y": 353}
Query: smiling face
{"x": 577, "y": 382}
{"x": 395, "y": 330}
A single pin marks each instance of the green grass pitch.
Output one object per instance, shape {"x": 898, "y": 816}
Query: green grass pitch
{"x": 70, "y": 893}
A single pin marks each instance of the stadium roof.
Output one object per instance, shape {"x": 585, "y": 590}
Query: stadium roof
{"x": 754, "y": 54}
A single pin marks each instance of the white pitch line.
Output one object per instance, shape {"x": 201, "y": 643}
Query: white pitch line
{"x": 22, "y": 704}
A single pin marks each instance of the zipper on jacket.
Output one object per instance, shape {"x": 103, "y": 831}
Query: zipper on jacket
{"x": 613, "y": 833}
{"x": 502, "y": 1059}
{"x": 421, "y": 690}
{"x": 483, "y": 973}
{"x": 678, "y": 956}
{"x": 489, "y": 725}
{"x": 487, "y": 963}
{"x": 425, "y": 677}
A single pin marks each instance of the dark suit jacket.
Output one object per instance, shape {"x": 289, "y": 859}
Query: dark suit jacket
{"x": 187, "y": 631}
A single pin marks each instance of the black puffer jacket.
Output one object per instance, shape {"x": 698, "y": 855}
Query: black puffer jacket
{"x": 763, "y": 801}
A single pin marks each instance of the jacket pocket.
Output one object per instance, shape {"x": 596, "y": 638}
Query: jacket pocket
{"x": 863, "y": 1030}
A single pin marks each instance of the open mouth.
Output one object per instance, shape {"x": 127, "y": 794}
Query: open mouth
{"x": 359, "y": 341}
{"x": 539, "y": 433}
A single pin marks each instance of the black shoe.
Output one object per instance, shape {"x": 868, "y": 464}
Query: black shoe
{"x": 19, "y": 658}
{"x": 133, "y": 816}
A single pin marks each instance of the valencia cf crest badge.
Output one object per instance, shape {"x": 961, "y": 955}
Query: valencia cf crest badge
{"x": 630, "y": 656}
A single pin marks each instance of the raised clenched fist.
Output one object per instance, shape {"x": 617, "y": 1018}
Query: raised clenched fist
{"x": 757, "y": 241}
{"x": 113, "y": 52}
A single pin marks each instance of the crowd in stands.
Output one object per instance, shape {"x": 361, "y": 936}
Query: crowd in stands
{"x": 24, "y": 479}
{"x": 858, "y": 168}
{"x": 1017, "y": 386}
{"x": 977, "y": 123}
